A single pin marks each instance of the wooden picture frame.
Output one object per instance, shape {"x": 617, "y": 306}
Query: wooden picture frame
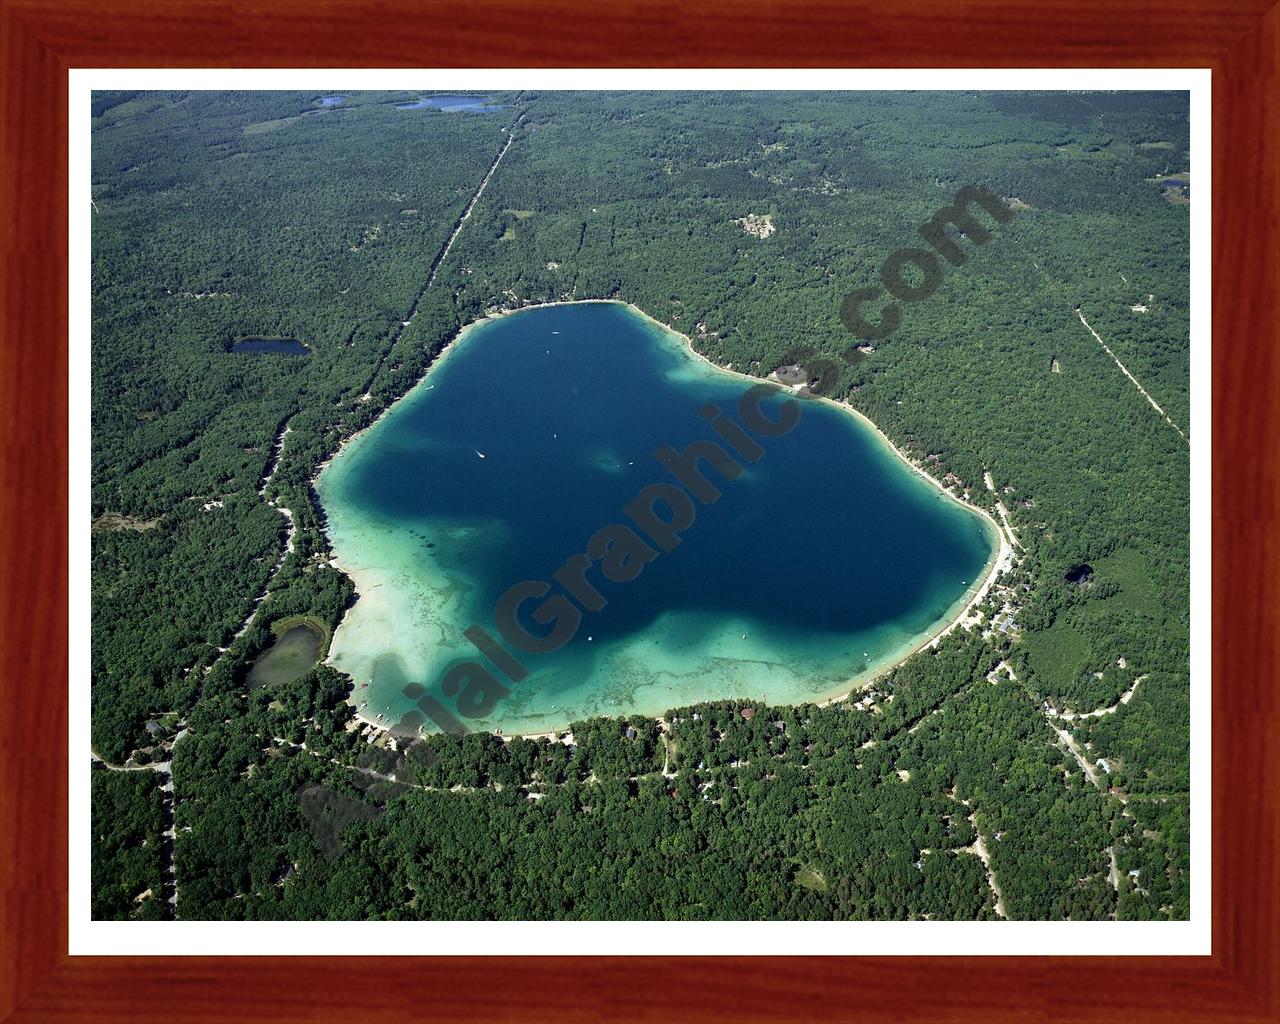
{"x": 41, "y": 40}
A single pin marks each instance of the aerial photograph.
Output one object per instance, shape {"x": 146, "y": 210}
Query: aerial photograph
{"x": 640, "y": 505}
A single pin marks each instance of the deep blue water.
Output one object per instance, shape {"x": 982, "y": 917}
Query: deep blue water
{"x": 451, "y": 104}
{"x": 825, "y": 558}
{"x": 283, "y": 346}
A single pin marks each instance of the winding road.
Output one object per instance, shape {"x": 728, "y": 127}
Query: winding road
{"x": 166, "y": 767}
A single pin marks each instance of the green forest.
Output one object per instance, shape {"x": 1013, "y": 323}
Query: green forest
{"x": 1035, "y": 771}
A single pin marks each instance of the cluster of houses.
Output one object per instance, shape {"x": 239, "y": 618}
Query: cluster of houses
{"x": 1004, "y": 620}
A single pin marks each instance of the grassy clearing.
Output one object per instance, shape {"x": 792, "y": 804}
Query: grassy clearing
{"x": 1130, "y": 570}
{"x": 110, "y": 521}
{"x": 262, "y": 127}
{"x": 133, "y": 107}
{"x": 1058, "y": 654}
{"x": 1063, "y": 657}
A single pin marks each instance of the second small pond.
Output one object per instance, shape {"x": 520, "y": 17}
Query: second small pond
{"x": 295, "y": 651}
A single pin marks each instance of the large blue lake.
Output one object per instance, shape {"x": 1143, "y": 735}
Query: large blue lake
{"x": 826, "y": 560}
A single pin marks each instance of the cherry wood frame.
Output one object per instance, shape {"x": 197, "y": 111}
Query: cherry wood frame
{"x": 41, "y": 39}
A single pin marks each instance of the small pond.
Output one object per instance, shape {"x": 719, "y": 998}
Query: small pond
{"x": 451, "y": 104}
{"x": 293, "y": 653}
{"x": 280, "y": 346}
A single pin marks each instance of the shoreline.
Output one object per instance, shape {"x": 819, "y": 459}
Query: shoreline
{"x": 351, "y": 438}
{"x": 998, "y": 561}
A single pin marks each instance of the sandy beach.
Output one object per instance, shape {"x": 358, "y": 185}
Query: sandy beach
{"x": 999, "y": 560}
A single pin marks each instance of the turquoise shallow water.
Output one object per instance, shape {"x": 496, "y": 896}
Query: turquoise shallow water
{"x": 825, "y": 560}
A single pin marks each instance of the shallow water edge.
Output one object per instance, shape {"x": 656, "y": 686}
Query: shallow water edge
{"x": 883, "y": 661}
